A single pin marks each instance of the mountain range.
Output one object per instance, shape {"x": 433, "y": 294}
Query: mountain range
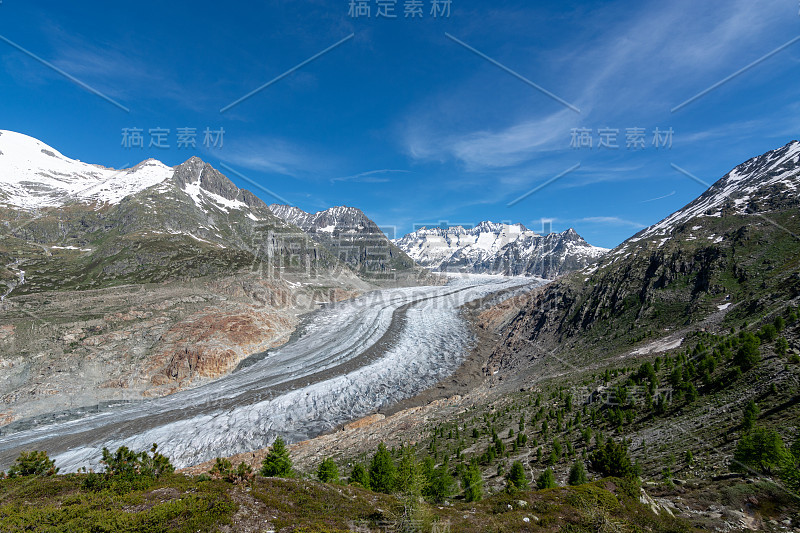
{"x": 127, "y": 283}
{"x": 496, "y": 248}
{"x": 124, "y": 284}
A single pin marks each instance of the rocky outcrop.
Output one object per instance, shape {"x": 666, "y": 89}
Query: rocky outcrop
{"x": 209, "y": 344}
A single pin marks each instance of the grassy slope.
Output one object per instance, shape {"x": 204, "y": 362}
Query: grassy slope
{"x": 180, "y": 503}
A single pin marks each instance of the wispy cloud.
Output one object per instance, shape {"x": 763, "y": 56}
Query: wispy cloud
{"x": 655, "y": 56}
{"x": 372, "y": 176}
{"x": 611, "y": 221}
{"x": 276, "y": 155}
{"x": 488, "y": 149}
{"x": 660, "y": 197}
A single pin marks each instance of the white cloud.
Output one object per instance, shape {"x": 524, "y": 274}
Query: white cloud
{"x": 636, "y": 68}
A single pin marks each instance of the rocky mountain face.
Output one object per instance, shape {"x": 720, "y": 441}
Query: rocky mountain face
{"x": 492, "y": 248}
{"x": 122, "y": 284}
{"x": 352, "y": 237}
{"x": 735, "y": 245}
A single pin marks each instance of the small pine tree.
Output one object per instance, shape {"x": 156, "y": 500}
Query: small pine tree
{"x": 577, "y": 474}
{"x": 359, "y": 476}
{"x": 516, "y": 479}
{"x": 382, "y": 471}
{"x": 408, "y": 479}
{"x": 438, "y": 484}
{"x": 472, "y": 483}
{"x": 222, "y": 469}
{"x": 328, "y": 472}
{"x": 781, "y": 346}
{"x": 277, "y": 462}
{"x": 761, "y": 449}
{"x": 747, "y": 356}
{"x": 546, "y": 480}
{"x": 612, "y": 459}
{"x": 795, "y": 449}
{"x": 751, "y": 412}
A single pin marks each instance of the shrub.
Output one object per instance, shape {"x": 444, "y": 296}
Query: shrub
{"x": 328, "y": 472}
{"x": 223, "y": 469}
{"x": 127, "y": 470}
{"x": 546, "y": 480}
{"x": 125, "y": 463}
{"x": 277, "y": 462}
{"x": 244, "y": 472}
{"x": 33, "y": 464}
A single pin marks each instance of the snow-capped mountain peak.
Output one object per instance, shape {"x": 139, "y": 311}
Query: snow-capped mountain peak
{"x": 771, "y": 178}
{"x": 341, "y": 219}
{"x": 35, "y": 175}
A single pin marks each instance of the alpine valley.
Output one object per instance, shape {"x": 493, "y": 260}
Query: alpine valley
{"x": 484, "y": 378}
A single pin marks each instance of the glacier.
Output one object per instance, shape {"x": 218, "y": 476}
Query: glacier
{"x": 348, "y": 360}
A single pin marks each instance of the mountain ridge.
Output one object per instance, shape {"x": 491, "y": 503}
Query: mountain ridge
{"x": 499, "y": 248}
{"x": 352, "y": 237}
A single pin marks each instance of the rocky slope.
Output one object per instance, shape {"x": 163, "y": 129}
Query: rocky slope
{"x": 352, "y": 237}
{"x": 492, "y": 248}
{"x": 736, "y": 243}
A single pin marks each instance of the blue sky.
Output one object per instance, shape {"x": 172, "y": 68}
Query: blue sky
{"x": 407, "y": 123}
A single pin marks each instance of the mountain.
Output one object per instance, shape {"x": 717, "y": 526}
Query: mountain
{"x": 735, "y": 245}
{"x": 352, "y": 237}
{"x": 124, "y": 284}
{"x": 494, "y": 248}
{"x": 145, "y": 224}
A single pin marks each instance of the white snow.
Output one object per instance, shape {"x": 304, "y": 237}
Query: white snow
{"x": 722, "y": 307}
{"x": 661, "y": 345}
{"x": 775, "y": 171}
{"x": 35, "y": 175}
{"x": 70, "y": 248}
